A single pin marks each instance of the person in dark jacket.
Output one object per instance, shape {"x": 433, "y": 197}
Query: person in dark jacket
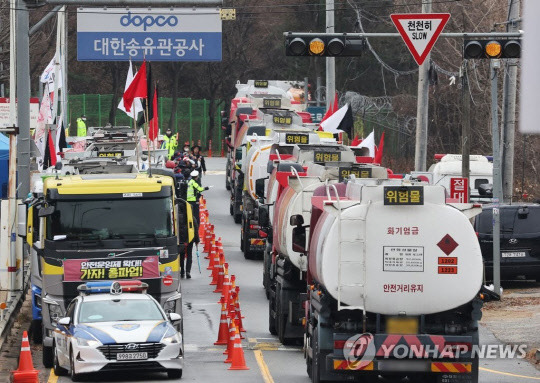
{"x": 200, "y": 165}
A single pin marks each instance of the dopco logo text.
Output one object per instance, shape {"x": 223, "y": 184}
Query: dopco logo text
{"x": 147, "y": 21}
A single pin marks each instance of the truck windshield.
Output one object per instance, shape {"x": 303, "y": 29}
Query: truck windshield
{"x": 110, "y": 219}
{"x": 119, "y": 310}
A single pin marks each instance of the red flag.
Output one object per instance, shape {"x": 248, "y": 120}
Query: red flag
{"x": 138, "y": 88}
{"x": 336, "y": 104}
{"x": 52, "y": 149}
{"x": 328, "y": 113}
{"x": 355, "y": 141}
{"x": 379, "y": 153}
{"x": 153, "y": 127}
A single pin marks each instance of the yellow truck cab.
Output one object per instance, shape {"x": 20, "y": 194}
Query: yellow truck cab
{"x": 98, "y": 227}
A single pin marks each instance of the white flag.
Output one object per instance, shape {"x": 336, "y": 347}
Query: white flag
{"x": 44, "y": 117}
{"x": 136, "y": 108}
{"x": 47, "y": 77}
{"x": 331, "y": 124}
{"x": 369, "y": 142}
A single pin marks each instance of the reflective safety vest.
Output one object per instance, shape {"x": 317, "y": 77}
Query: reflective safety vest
{"x": 81, "y": 127}
{"x": 193, "y": 190}
{"x": 170, "y": 144}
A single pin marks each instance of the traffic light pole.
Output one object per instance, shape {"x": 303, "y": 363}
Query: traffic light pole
{"x": 497, "y": 184}
{"x": 509, "y": 109}
{"x": 422, "y": 107}
{"x": 330, "y": 61}
{"x": 466, "y": 127}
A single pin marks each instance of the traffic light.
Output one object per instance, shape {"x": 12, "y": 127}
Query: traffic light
{"x": 323, "y": 45}
{"x": 492, "y": 49}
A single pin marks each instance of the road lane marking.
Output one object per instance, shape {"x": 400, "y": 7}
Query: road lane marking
{"x": 265, "y": 372}
{"x": 52, "y": 377}
{"x": 215, "y": 172}
{"x": 509, "y": 374}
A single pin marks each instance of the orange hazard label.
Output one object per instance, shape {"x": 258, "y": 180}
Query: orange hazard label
{"x": 447, "y": 260}
{"x": 447, "y": 269}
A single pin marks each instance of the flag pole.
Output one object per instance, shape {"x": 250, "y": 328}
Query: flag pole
{"x": 148, "y": 139}
{"x": 137, "y": 143}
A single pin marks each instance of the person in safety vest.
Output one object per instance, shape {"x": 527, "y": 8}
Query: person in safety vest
{"x": 81, "y": 126}
{"x": 194, "y": 191}
{"x": 170, "y": 143}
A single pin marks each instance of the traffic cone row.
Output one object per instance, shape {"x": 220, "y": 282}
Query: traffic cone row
{"x": 230, "y": 322}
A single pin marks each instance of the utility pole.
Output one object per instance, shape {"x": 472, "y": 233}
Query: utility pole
{"x": 509, "y": 107}
{"x": 497, "y": 185}
{"x": 23, "y": 97}
{"x": 466, "y": 127}
{"x": 422, "y": 107}
{"x": 330, "y": 61}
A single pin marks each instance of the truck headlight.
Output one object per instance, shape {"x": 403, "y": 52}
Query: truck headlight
{"x": 170, "y": 306}
{"x": 55, "y": 313}
{"x": 172, "y": 339}
{"x": 87, "y": 342}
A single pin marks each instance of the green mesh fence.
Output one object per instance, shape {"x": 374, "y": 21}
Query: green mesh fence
{"x": 192, "y": 120}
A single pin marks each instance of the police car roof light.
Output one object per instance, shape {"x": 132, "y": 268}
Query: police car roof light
{"x": 133, "y": 286}
{"x": 113, "y": 287}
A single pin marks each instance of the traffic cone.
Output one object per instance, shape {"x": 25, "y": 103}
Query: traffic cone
{"x": 26, "y": 372}
{"x": 223, "y": 282}
{"x": 209, "y": 148}
{"x": 211, "y": 256}
{"x": 223, "y": 329}
{"x": 231, "y": 292}
{"x": 238, "y": 361}
{"x": 218, "y": 267}
{"x": 238, "y": 312}
{"x": 230, "y": 344}
{"x": 211, "y": 251}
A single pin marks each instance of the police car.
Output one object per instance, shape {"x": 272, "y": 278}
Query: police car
{"x": 117, "y": 326}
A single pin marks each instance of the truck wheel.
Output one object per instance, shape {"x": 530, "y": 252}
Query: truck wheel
{"x": 231, "y": 209}
{"x": 281, "y": 319}
{"x": 48, "y": 356}
{"x": 315, "y": 363}
{"x": 227, "y": 183}
{"x": 271, "y": 321}
{"x": 242, "y": 240}
{"x": 266, "y": 274}
{"x": 37, "y": 331}
{"x": 238, "y": 218}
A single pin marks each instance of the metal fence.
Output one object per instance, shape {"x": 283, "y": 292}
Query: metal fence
{"x": 192, "y": 120}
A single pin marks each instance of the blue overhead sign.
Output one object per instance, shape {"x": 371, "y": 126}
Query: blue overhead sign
{"x": 116, "y": 34}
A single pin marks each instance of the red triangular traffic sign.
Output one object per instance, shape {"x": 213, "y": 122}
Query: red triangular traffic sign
{"x": 420, "y": 31}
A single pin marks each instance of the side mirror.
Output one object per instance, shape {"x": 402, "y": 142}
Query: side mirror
{"x": 58, "y": 166}
{"x": 65, "y": 321}
{"x": 174, "y": 317}
{"x": 269, "y": 167}
{"x": 485, "y": 190}
{"x": 238, "y": 154}
{"x": 296, "y": 220}
{"x": 259, "y": 187}
{"x": 523, "y": 212}
{"x": 46, "y": 211}
{"x": 264, "y": 216}
{"x": 299, "y": 239}
{"x": 21, "y": 220}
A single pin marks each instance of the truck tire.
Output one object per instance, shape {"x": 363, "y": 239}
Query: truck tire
{"x": 37, "y": 331}
{"x": 266, "y": 273}
{"x": 271, "y": 321}
{"x": 238, "y": 218}
{"x": 281, "y": 319}
{"x": 315, "y": 363}
{"x": 48, "y": 356}
{"x": 231, "y": 209}
{"x": 227, "y": 183}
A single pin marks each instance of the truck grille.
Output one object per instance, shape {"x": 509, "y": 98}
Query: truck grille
{"x": 110, "y": 350}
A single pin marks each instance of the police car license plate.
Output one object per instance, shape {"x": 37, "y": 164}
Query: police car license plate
{"x": 514, "y": 254}
{"x": 131, "y": 356}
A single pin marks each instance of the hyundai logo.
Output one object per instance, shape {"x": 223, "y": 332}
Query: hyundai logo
{"x": 148, "y": 21}
{"x": 512, "y": 241}
{"x": 132, "y": 346}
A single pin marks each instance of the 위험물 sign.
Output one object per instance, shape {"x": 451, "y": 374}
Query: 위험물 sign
{"x": 158, "y": 34}
{"x": 403, "y": 195}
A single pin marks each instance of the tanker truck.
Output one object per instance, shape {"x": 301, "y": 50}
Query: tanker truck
{"x": 285, "y": 267}
{"x": 258, "y": 151}
{"x": 394, "y": 276}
